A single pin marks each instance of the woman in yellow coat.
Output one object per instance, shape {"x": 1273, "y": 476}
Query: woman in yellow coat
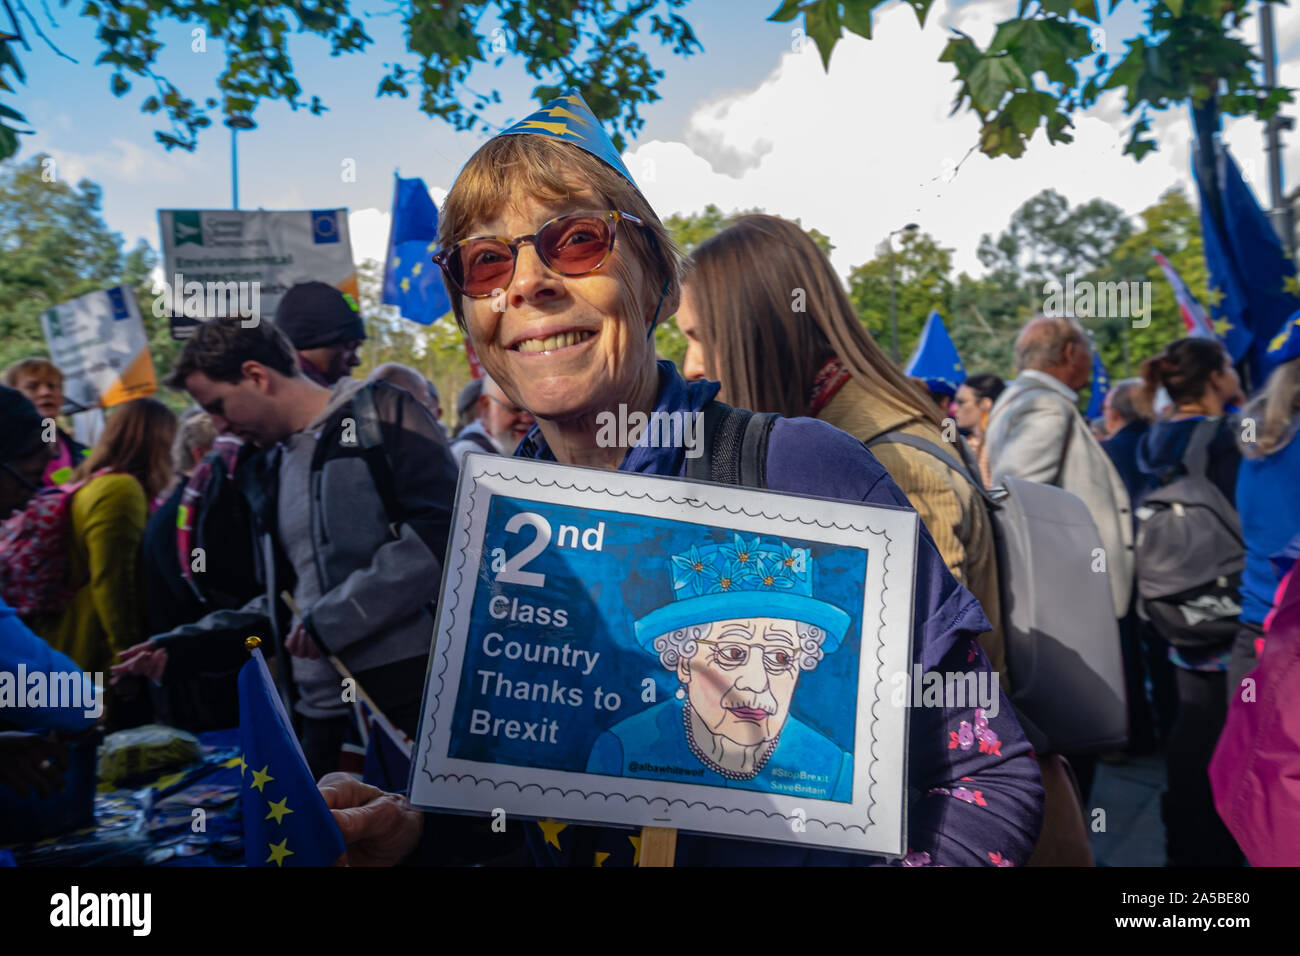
{"x": 129, "y": 467}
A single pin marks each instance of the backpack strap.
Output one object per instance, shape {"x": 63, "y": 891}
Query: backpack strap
{"x": 930, "y": 448}
{"x": 735, "y": 447}
{"x": 370, "y": 438}
{"x": 1196, "y": 456}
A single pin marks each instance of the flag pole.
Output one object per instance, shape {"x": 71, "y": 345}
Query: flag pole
{"x": 333, "y": 659}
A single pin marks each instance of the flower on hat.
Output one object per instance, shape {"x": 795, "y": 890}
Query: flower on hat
{"x": 768, "y": 572}
{"x": 740, "y": 552}
{"x": 692, "y": 570}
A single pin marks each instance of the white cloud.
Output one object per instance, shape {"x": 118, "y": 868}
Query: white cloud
{"x": 124, "y": 161}
{"x": 868, "y": 147}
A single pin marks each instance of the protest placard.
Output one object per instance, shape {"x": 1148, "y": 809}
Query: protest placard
{"x": 99, "y": 343}
{"x": 221, "y": 263}
{"x": 624, "y": 649}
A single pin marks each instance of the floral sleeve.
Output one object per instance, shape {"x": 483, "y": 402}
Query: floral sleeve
{"x": 975, "y": 794}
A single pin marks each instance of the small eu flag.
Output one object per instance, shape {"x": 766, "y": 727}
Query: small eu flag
{"x": 936, "y": 359}
{"x": 412, "y": 281}
{"x": 286, "y": 821}
{"x": 1100, "y": 386}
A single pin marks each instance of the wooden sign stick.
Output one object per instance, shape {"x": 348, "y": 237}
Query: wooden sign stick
{"x": 658, "y": 846}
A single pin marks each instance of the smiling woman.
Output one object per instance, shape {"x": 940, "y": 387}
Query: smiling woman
{"x": 558, "y": 271}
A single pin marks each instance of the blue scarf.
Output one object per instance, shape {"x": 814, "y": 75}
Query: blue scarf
{"x": 675, "y": 395}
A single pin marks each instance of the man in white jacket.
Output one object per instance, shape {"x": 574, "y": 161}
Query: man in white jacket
{"x": 1035, "y": 432}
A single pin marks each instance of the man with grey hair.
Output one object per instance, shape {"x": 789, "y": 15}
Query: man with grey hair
{"x": 1036, "y": 433}
{"x": 415, "y": 384}
{"x": 499, "y": 427}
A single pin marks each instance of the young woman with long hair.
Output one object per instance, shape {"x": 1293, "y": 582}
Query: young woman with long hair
{"x": 128, "y": 468}
{"x": 765, "y": 314}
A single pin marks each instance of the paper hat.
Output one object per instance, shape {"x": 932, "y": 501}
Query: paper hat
{"x": 569, "y": 119}
{"x": 1286, "y": 344}
{"x": 746, "y": 578}
{"x": 936, "y": 359}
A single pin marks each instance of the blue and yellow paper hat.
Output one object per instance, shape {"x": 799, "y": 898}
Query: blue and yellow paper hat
{"x": 570, "y": 120}
{"x": 1286, "y": 344}
{"x": 748, "y": 577}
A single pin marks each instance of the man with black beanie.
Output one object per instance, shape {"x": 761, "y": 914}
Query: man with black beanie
{"x": 326, "y": 330}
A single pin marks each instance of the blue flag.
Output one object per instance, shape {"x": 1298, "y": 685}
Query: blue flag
{"x": 936, "y": 360}
{"x": 388, "y": 753}
{"x": 286, "y": 821}
{"x": 412, "y": 281}
{"x": 1252, "y": 284}
{"x": 1100, "y": 386}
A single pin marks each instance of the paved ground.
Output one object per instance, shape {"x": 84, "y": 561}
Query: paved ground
{"x": 1130, "y": 795}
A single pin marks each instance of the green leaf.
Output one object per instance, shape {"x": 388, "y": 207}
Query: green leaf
{"x": 119, "y": 85}
{"x": 922, "y": 8}
{"x": 1175, "y": 7}
{"x": 856, "y": 16}
{"x": 992, "y": 77}
{"x": 823, "y": 25}
{"x": 788, "y": 10}
{"x": 13, "y": 115}
{"x": 1024, "y": 111}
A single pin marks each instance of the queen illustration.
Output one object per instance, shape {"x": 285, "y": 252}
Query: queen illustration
{"x": 742, "y": 627}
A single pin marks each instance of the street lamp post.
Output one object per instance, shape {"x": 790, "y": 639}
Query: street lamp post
{"x": 911, "y": 227}
{"x": 236, "y": 122}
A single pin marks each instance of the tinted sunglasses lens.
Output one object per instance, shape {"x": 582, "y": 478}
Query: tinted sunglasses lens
{"x": 575, "y": 245}
{"x": 482, "y": 265}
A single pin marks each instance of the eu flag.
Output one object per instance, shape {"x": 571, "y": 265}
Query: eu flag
{"x": 1100, "y": 386}
{"x": 286, "y": 821}
{"x": 936, "y": 359}
{"x": 1253, "y": 285}
{"x": 412, "y": 281}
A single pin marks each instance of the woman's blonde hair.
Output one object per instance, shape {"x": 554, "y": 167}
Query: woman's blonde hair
{"x": 552, "y": 171}
{"x": 772, "y": 311}
{"x": 137, "y": 441}
{"x": 1274, "y": 412}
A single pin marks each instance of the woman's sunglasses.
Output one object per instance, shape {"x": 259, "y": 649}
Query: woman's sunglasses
{"x": 574, "y": 245}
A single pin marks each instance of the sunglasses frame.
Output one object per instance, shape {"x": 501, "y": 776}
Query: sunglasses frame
{"x": 613, "y": 216}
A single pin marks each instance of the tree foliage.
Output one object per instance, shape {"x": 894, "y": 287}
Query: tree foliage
{"x": 922, "y": 271}
{"x": 55, "y": 246}
{"x": 1050, "y": 61}
{"x": 588, "y": 44}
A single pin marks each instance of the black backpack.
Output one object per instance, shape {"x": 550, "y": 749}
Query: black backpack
{"x": 1189, "y": 553}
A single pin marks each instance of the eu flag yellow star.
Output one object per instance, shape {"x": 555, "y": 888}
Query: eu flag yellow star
{"x": 278, "y": 810}
{"x": 636, "y": 850}
{"x": 396, "y": 261}
{"x": 552, "y": 831}
{"x": 1214, "y": 295}
{"x": 278, "y": 852}
{"x": 162, "y": 783}
{"x": 556, "y": 129}
{"x": 1279, "y": 340}
{"x": 415, "y": 269}
{"x": 237, "y": 762}
{"x": 261, "y": 778}
{"x": 406, "y": 284}
{"x": 561, "y": 111}
{"x": 1222, "y": 327}
{"x": 601, "y": 858}
{"x": 1291, "y": 285}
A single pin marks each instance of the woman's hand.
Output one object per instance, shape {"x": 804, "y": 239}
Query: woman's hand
{"x": 145, "y": 659}
{"x": 378, "y": 827}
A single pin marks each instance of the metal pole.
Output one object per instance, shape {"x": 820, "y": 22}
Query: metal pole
{"x": 893, "y": 305}
{"x": 234, "y": 168}
{"x": 1279, "y": 211}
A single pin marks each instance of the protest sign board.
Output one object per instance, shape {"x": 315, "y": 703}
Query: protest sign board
{"x": 98, "y": 342}
{"x": 240, "y": 262}
{"x": 625, "y": 649}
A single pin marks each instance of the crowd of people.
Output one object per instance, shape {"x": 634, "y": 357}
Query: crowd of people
{"x": 297, "y": 502}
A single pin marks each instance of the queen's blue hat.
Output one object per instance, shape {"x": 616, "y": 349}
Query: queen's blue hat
{"x": 747, "y": 578}
{"x": 569, "y": 119}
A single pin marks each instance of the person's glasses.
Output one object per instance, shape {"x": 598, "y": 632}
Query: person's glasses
{"x": 776, "y": 660}
{"x": 573, "y": 245}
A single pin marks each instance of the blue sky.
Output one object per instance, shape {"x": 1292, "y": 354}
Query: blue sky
{"x": 748, "y": 122}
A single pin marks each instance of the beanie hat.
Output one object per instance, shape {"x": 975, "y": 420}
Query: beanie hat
{"x": 315, "y": 315}
{"x": 22, "y": 432}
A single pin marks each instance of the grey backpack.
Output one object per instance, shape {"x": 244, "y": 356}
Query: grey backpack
{"x": 1189, "y": 553}
{"x": 1062, "y": 640}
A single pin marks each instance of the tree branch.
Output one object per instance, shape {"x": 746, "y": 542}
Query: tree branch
{"x": 39, "y": 32}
